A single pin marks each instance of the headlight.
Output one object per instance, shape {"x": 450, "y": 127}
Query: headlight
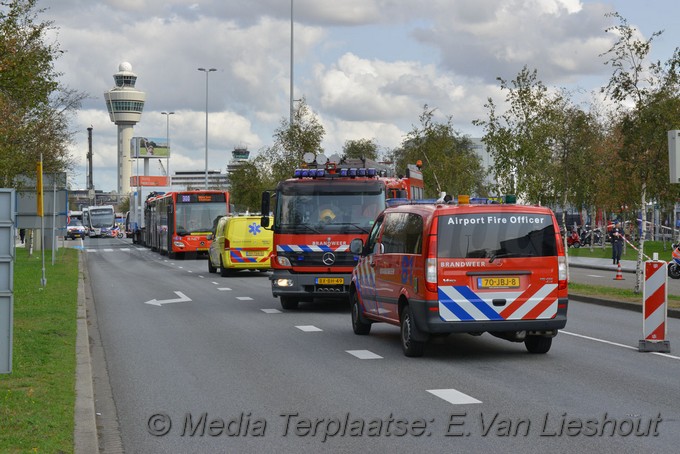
{"x": 178, "y": 243}
{"x": 283, "y": 282}
{"x": 283, "y": 261}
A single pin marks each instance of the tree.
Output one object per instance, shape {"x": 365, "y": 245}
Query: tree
{"x": 35, "y": 109}
{"x": 360, "y": 148}
{"x": 291, "y": 142}
{"x": 524, "y": 140}
{"x": 246, "y": 187}
{"x": 653, "y": 90}
{"x": 278, "y": 161}
{"x": 449, "y": 161}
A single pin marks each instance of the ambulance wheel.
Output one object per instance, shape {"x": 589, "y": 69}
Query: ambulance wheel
{"x": 538, "y": 344}
{"x": 359, "y": 324}
{"x": 410, "y": 346}
{"x": 211, "y": 268}
{"x": 289, "y": 303}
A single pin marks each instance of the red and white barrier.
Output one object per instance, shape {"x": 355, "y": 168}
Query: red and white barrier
{"x": 655, "y": 308}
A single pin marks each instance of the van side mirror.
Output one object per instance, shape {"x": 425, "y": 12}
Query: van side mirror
{"x": 356, "y": 246}
{"x": 264, "y": 221}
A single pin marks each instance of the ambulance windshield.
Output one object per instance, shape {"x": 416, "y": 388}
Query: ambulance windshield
{"x": 496, "y": 235}
{"x": 328, "y": 207}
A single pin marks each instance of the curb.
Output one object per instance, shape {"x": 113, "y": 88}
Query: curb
{"x": 85, "y": 427}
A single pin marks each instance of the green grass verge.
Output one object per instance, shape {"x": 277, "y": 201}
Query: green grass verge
{"x": 38, "y": 397}
{"x": 663, "y": 249}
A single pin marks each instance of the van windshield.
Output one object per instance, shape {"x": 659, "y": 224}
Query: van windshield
{"x": 496, "y": 235}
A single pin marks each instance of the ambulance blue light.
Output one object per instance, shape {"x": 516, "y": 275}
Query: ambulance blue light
{"x": 352, "y": 173}
{"x": 305, "y": 173}
{"x": 313, "y": 173}
{"x": 343, "y": 172}
{"x": 320, "y": 173}
{"x": 298, "y": 173}
{"x": 361, "y": 172}
{"x": 371, "y": 172}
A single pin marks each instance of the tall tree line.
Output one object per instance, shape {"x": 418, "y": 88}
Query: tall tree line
{"x": 35, "y": 108}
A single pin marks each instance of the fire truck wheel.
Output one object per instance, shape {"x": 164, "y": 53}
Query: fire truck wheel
{"x": 211, "y": 268}
{"x": 409, "y": 345}
{"x": 538, "y": 344}
{"x": 359, "y": 324}
{"x": 289, "y": 303}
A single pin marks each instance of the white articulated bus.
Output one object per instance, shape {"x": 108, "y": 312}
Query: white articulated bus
{"x": 99, "y": 220}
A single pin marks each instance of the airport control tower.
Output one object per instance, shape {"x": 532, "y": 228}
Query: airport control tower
{"x": 125, "y": 105}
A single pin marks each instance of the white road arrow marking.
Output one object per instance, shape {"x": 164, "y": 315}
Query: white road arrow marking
{"x": 182, "y": 299}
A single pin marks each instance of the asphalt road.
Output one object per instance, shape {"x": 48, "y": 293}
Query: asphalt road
{"x": 219, "y": 367}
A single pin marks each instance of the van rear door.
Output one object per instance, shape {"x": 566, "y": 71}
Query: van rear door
{"x": 497, "y": 265}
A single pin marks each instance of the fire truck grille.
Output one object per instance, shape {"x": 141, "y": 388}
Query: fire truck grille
{"x": 311, "y": 259}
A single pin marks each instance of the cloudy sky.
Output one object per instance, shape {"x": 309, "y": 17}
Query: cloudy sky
{"x": 365, "y": 67}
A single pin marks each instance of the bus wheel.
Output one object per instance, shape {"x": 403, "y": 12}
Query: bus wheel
{"x": 538, "y": 344}
{"x": 409, "y": 345}
{"x": 289, "y": 303}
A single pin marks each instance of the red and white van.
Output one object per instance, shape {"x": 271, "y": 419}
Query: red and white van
{"x": 439, "y": 268}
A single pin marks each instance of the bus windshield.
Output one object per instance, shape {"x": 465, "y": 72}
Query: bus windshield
{"x": 329, "y": 207}
{"x": 101, "y": 217}
{"x": 197, "y": 217}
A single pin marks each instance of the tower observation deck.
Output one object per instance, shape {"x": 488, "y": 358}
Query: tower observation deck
{"x": 125, "y": 105}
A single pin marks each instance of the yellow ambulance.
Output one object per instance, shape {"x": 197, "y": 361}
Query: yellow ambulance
{"x": 239, "y": 243}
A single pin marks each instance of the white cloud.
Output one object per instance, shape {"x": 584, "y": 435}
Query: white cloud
{"x": 366, "y": 67}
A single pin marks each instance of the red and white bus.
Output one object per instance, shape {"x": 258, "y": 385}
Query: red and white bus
{"x": 179, "y": 222}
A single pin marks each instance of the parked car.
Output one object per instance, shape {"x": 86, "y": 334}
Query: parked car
{"x": 75, "y": 229}
{"x": 239, "y": 243}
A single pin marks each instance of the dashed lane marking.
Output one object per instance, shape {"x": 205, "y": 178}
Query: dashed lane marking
{"x": 223, "y": 289}
{"x": 308, "y": 328}
{"x": 271, "y": 311}
{"x": 244, "y": 298}
{"x": 454, "y": 396}
{"x": 364, "y": 354}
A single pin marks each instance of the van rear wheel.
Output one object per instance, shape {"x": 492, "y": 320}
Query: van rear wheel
{"x": 410, "y": 346}
{"x": 538, "y": 344}
{"x": 211, "y": 268}
{"x": 359, "y": 325}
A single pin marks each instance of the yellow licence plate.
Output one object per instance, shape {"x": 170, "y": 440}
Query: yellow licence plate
{"x": 330, "y": 280}
{"x": 254, "y": 253}
{"x": 498, "y": 282}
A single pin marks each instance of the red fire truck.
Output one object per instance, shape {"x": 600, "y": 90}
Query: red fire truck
{"x": 317, "y": 213}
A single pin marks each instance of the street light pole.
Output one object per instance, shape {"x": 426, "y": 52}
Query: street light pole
{"x": 167, "y": 140}
{"x": 206, "y": 71}
{"x": 290, "y": 122}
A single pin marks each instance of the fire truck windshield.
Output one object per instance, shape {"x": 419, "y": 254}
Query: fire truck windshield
{"x": 329, "y": 207}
